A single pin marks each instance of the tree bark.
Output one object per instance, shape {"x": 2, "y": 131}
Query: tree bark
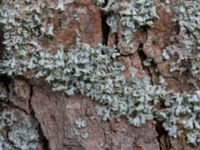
{"x": 53, "y": 115}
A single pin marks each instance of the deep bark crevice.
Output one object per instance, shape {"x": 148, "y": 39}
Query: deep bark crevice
{"x": 165, "y": 143}
{"x": 105, "y": 28}
{"x": 1, "y": 40}
{"x": 141, "y": 55}
{"x": 44, "y": 140}
{"x": 6, "y": 81}
{"x": 150, "y": 70}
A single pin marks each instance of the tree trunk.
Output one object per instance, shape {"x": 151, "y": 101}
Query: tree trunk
{"x": 33, "y": 116}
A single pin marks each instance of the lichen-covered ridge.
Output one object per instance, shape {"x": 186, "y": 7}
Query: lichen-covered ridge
{"x": 95, "y": 71}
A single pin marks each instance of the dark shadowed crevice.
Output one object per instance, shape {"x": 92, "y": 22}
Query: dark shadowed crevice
{"x": 1, "y": 41}
{"x": 6, "y": 81}
{"x": 151, "y": 70}
{"x": 163, "y": 138}
{"x": 105, "y": 28}
{"x": 142, "y": 55}
{"x": 154, "y": 73}
{"x": 43, "y": 139}
{"x": 1, "y": 38}
{"x": 177, "y": 27}
{"x": 105, "y": 3}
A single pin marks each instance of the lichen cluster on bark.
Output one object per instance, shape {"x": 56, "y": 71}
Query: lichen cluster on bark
{"x": 137, "y": 61}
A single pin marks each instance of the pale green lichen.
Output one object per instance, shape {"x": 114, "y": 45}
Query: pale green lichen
{"x": 181, "y": 115}
{"x": 182, "y": 111}
{"x": 86, "y": 70}
{"x": 4, "y": 145}
{"x": 3, "y": 96}
{"x": 188, "y": 42}
{"x": 133, "y": 16}
{"x": 99, "y": 2}
{"x": 7, "y": 118}
{"x": 24, "y": 135}
{"x": 95, "y": 72}
{"x": 80, "y": 123}
{"x": 84, "y": 135}
{"x": 17, "y": 134}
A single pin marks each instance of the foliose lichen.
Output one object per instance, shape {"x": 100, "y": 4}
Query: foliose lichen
{"x": 80, "y": 123}
{"x": 16, "y": 133}
{"x": 7, "y": 118}
{"x": 133, "y": 16}
{"x": 181, "y": 115}
{"x": 84, "y": 135}
{"x": 24, "y": 135}
{"x": 188, "y": 41}
{"x": 86, "y": 70}
{"x": 95, "y": 71}
{"x": 99, "y": 2}
{"x": 4, "y": 144}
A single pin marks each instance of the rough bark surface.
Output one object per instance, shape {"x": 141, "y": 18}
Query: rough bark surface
{"x": 56, "y": 113}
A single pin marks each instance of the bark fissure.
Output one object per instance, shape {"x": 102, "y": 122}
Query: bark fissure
{"x": 105, "y": 28}
{"x": 1, "y": 42}
{"x": 7, "y": 83}
{"x": 162, "y": 138}
{"x": 44, "y": 140}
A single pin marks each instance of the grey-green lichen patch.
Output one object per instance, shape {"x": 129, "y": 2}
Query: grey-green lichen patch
{"x": 3, "y": 96}
{"x": 80, "y": 123}
{"x": 4, "y": 145}
{"x": 80, "y": 130}
{"x": 17, "y": 131}
{"x": 99, "y": 2}
{"x": 138, "y": 13}
{"x": 188, "y": 46}
{"x": 131, "y": 15}
{"x": 17, "y": 1}
{"x": 84, "y": 135}
{"x": 95, "y": 72}
{"x": 181, "y": 115}
{"x": 24, "y": 26}
{"x": 21, "y": 29}
{"x": 89, "y": 71}
{"x": 24, "y": 135}
{"x": 104, "y": 112}
{"x": 7, "y": 118}
{"x": 3, "y": 93}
